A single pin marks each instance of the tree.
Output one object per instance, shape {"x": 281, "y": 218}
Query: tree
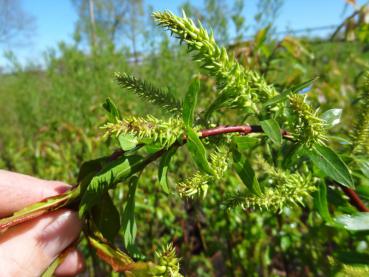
{"x": 15, "y": 23}
{"x": 117, "y": 21}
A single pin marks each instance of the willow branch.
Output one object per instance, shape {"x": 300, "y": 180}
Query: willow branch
{"x": 245, "y": 130}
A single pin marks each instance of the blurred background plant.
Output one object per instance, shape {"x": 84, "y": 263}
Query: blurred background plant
{"x": 52, "y": 114}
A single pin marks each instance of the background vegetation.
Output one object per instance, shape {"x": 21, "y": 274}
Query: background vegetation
{"x": 51, "y": 117}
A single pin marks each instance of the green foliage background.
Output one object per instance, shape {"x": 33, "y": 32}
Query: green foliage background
{"x": 51, "y": 119}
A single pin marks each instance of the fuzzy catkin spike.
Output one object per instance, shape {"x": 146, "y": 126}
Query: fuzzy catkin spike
{"x": 308, "y": 128}
{"x": 145, "y": 90}
{"x": 360, "y": 135}
{"x": 167, "y": 258}
{"x": 284, "y": 189}
{"x": 198, "y": 184}
{"x": 149, "y": 127}
{"x": 244, "y": 86}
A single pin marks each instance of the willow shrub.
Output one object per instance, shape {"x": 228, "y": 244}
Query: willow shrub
{"x": 277, "y": 148}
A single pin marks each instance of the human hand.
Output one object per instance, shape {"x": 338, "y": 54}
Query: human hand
{"x": 29, "y": 248}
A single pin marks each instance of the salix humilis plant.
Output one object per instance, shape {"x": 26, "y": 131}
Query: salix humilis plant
{"x": 282, "y": 160}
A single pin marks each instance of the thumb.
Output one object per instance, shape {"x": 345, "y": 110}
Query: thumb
{"x": 29, "y": 248}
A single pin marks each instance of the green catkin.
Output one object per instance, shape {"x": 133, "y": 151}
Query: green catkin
{"x": 360, "y": 135}
{"x": 235, "y": 82}
{"x": 167, "y": 258}
{"x": 164, "y": 132}
{"x": 308, "y": 128}
{"x": 198, "y": 183}
{"x": 145, "y": 90}
{"x": 283, "y": 189}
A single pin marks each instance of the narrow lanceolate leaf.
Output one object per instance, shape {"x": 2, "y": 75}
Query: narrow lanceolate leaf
{"x": 272, "y": 130}
{"x": 331, "y": 165}
{"x": 356, "y": 222}
{"x": 113, "y": 112}
{"x": 198, "y": 151}
{"x": 163, "y": 168}
{"x": 128, "y": 217}
{"x": 127, "y": 141}
{"x": 50, "y": 271}
{"x": 35, "y": 210}
{"x": 116, "y": 258}
{"x": 321, "y": 203}
{"x": 303, "y": 86}
{"x": 114, "y": 172}
{"x": 190, "y": 102}
{"x": 246, "y": 173}
{"x": 331, "y": 117}
{"x": 106, "y": 217}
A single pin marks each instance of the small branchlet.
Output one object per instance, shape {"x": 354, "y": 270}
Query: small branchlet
{"x": 308, "y": 128}
{"x": 283, "y": 189}
{"x": 360, "y": 134}
{"x": 241, "y": 85}
{"x": 147, "y": 128}
{"x": 198, "y": 184}
{"x": 148, "y": 92}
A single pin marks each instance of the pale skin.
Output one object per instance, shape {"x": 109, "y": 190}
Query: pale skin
{"x": 30, "y": 247}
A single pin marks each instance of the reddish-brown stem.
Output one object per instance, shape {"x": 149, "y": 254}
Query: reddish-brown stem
{"x": 248, "y": 129}
{"x": 355, "y": 199}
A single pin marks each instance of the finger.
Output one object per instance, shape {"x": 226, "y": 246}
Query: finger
{"x": 72, "y": 264}
{"x": 29, "y": 248}
{"x": 18, "y": 191}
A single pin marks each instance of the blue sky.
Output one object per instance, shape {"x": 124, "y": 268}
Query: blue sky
{"x": 55, "y": 20}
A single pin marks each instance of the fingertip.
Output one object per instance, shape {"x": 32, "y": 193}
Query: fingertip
{"x": 72, "y": 264}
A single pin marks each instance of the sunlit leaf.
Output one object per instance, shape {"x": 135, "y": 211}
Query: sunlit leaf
{"x": 356, "y": 222}
{"x": 163, "y": 168}
{"x": 332, "y": 117}
{"x": 128, "y": 217}
{"x": 246, "y": 173}
{"x": 331, "y": 165}
{"x": 111, "y": 108}
{"x": 190, "y": 102}
{"x": 272, "y": 130}
{"x": 198, "y": 151}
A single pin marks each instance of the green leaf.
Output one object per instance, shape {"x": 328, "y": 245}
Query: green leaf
{"x": 109, "y": 253}
{"x": 356, "y": 222}
{"x": 106, "y": 217}
{"x": 128, "y": 217}
{"x": 321, "y": 204}
{"x": 89, "y": 167}
{"x": 246, "y": 173}
{"x": 190, "y": 102}
{"x": 163, "y": 168}
{"x": 127, "y": 141}
{"x": 331, "y": 117}
{"x": 153, "y": 148}
{"x": 244, "y": 142}
{"x": 331, "y": 165}
{"x": 352, "y": 257}
{"x": 114, "y": 172}
{"x": 111, "y": 108}
{"x": 272, "y": 130}
{"x": 276, "y": 99}
{"x": 304, "y": 85}
{"x": 37, "y": 209}
{"x": 198, "y": 151}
